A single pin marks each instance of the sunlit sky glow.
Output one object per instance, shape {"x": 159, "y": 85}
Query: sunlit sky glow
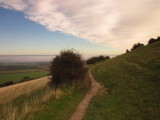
{"x": 89, "y": 26}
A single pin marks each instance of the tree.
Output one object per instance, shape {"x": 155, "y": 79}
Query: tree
{"x": 138, "y": 45}
{"x": 93, "y": 60}
{"x": 152, "y": 40}
{"x": 67, "y": 68}
{"x": 107, "y": 57}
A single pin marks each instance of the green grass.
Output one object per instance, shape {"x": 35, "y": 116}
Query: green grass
{"x": 133, "y": 81}
{"x": 17, "y": 77}
{"x": 21, "y": 71}
{"x": 60, "y": 109}
{"x": 65, "y": 106}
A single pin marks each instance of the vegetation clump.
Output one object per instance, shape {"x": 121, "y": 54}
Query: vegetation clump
{"x": 152, "y": 40}
{"x": 67, "y": 68}
{"x": 93, "y": 60}
{"x": 138, "y": 45}
{"x": 127, "y": 51}
{"x": 6, "y": 84}
{"x": 26, "y": 78}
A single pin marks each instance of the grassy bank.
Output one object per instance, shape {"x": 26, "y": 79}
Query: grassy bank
{"x": 17, "y": 77}
{"x": 132, "y": 81}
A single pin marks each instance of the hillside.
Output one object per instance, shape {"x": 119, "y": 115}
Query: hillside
{"x": 132, "y": 81}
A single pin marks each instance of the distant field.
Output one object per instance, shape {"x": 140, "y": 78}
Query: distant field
{"x": 17, "y": 77}
{"x": 21, "y": 71}
{"x": 133, "y": 84}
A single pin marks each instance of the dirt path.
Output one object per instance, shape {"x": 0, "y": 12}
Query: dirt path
{"x": 82, "y": 107}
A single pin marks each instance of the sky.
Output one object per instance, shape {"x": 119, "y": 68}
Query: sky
{"x": 92, "y": 27}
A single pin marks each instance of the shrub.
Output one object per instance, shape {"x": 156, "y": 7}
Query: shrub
{"x": 6, "y": 84}
{"x": 138, "y": 45}
{"x": 67, "y": 68}
{"x": 127, "y": 51}
{"x": 93, "y": 60}
{"x": 26, "y": 78}
{"x": 152, "y": 40}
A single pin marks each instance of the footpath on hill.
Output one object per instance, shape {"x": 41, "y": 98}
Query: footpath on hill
{"x": 82, "y": 107}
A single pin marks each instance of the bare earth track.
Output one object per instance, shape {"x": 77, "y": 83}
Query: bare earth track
{"x": 82, "y": 107}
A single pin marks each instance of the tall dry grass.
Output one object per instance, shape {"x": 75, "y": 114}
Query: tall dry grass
{"x": 18, "y": 101}
{"x": 7, "y": 94}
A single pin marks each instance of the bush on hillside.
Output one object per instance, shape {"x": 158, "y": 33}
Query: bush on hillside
{"x": 127, "y": 51}
{"x": 152, "y": 40}
{"x": 6, "y": 84}
{"x": 93, "y": 60}
{"x": 138, "y": 45}
{"x": 67, "y": 68}
{"x": 135, "y": 46}
{"x": 26, "y": 78}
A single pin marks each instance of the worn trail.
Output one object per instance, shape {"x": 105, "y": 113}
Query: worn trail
{"x": 82, "y": 107}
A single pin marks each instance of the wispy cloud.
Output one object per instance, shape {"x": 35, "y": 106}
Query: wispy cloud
{"x": 117, "y": 23}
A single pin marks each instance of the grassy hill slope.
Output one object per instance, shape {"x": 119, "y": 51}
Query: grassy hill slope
{"x": 133, "y": 84}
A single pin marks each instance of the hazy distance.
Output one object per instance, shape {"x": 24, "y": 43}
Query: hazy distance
{"x": 32, "y": 58}
{"x": 25, "y": 58}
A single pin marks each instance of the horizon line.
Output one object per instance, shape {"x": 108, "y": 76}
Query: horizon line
{"x": 50, "y": 54}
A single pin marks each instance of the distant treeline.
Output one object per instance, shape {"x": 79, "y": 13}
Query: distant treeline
{"x": 138, "y": 45}
{"x": 93, "y": 60}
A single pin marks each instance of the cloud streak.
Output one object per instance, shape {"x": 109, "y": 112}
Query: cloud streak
{"x": 116, "y": 23}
